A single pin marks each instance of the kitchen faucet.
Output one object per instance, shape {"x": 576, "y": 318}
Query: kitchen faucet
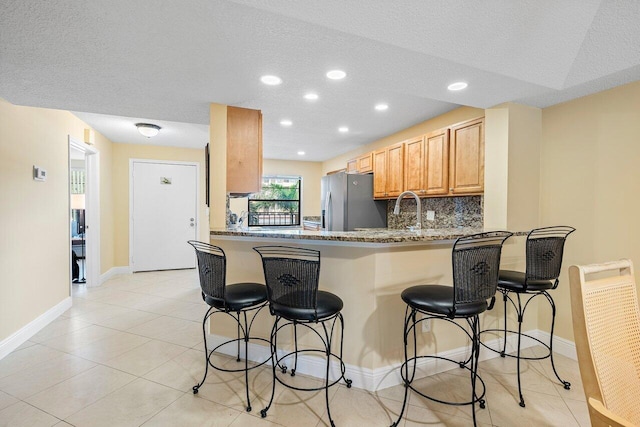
{"x": 396, "y": 210}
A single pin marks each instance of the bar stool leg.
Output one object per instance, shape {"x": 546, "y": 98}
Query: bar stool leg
{"x": 409, "y": 318}
{"x": 504, "y": 343}
{"x": 295, "y": 344}
{"x": 238, "y": 358}
{"x": 206, "y": 351}
{"x": 326, "y": 378}
{"x": 520, "y": 316}
{"x": 246, "y": 357}
{"x": 274, "y": 363}
{"x": 474, "y": 323}
{"x": 566, "y": 384}
{"x": 347, "y": 381}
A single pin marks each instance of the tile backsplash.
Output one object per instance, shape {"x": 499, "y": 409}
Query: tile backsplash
{"x": 450, "y": 212}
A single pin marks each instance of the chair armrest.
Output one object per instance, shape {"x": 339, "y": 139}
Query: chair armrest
{"x": 607, "y": 416}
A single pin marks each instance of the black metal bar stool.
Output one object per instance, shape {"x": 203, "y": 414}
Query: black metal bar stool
{"x": 544, "y": 250}
{"x": 475, "y": 264}
{"x": 233, "y": 300}
{"x": 292, "y": 275}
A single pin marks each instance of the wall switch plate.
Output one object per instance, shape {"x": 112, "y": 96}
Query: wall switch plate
{"x": 39, "y": 174}
{"x": 431, "y": 215}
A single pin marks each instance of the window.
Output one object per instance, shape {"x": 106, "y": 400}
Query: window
{"x": 277, "y": 204}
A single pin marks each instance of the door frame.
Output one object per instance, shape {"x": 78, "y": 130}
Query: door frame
{"x": 162, "y": 162}
{"x": 92, "y": 211}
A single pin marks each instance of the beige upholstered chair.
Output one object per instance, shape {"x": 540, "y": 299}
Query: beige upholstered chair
{"x": 606, "y": 325}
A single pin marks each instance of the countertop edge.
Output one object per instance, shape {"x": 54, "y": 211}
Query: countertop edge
{"x": 375, "y": 238}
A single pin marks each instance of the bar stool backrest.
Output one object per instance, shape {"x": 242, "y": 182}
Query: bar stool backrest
{"x": 544, "y": 251}
{"x": 291, "y": 275}
{"x": 212, "y": 269}
{"x": 476, "y": 263}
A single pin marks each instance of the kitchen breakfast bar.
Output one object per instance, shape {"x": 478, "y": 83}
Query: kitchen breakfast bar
{"x": 368, "y": 270}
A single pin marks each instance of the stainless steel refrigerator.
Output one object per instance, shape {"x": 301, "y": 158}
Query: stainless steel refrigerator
{"x": 347, "y": 203}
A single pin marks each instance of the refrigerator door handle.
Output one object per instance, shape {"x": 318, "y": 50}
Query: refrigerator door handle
{"x": 327, "y": 209}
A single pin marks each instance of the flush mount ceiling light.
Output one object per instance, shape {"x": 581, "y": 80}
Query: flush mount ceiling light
{"x": 148, "y": 129}
{"x": 457, "y": 86}
{"x": 301, "y": 153}
{"x": 311, "y": 96}
{"x": 381, "y": 107}
{"x": 336, "y": 74}
{"x": 286, "y": 122}
{"x": 271, "y": 80}
{"x": 343, "y": 129}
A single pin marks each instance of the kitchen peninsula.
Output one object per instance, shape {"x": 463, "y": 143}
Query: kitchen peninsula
{"x": 368, "y": 269}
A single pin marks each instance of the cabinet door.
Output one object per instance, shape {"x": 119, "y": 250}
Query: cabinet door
{"x": 352, "y": 166}
{"x": 466, "y": 162}
{"x": 244, "y": 150}
{"x": 436, "y": 165}
{"x": 395, "y": 170}
{"x": 379, "y": 173}
{"x": 365, "y": 163}
{"x": 414, "y": 166}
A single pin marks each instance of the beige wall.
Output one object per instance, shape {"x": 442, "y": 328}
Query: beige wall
{"x": 122, "y": 153}
{"x": 455, "y": 116}
{"x": 590, "y": 179}
{"x": 34, "y": 218}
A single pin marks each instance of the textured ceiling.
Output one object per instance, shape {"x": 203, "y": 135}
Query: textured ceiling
{"x": 120, "y": 62}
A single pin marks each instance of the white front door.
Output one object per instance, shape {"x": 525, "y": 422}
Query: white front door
{"x": 163, "y": 215}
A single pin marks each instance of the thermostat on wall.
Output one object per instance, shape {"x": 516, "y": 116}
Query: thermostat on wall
{"x": 39, "y": 174}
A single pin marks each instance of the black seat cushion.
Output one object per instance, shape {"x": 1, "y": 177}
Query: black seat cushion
{"x": 240, "y": 296}
{"x": 514, "y": 281}
{"x": 438, "y": 299}
{"x": 328, "y": 305}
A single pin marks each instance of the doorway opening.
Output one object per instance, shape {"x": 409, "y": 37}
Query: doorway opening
{"x": 84, "y": 209}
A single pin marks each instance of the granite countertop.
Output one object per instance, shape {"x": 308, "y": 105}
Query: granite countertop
{"x": 370, "y": 236}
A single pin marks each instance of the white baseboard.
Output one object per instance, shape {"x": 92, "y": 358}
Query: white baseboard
{"x": 113, "y": 272}
{"x": 560, "y": 345}
{"x": 18, "y": 338}
{"x": 389, "y": 376}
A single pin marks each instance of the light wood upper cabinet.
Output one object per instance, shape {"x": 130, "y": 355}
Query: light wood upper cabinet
{"x": 362, "y": 164}
{"x": 244, "y": 150}
{"x": 414, "y": 165}
{"x": 388, "y": 171}
{"x": 379, "y": 174}
{"x": 426, "y": 164}
{"x": 436, "y": 163}
{"x": 466, "y": 158}
{"x": 365, "y": 163}
{"x": 352, "y": 166}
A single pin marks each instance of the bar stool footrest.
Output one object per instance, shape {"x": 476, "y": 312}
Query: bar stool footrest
{"x": 479, "y": 396}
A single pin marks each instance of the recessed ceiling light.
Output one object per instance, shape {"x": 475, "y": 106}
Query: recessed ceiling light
{"x": 300, "y": 153}
{"x": 457, "y": 86}
{"x": 343, "y": 129}
{"x": 286, "y": 122}
{"x": 336, "y": 74}
{"x": 148, "y": 129}
{"x": 271, "y": 80}
{"x": 311, "y": 96}
{"x": 381, "y": 107}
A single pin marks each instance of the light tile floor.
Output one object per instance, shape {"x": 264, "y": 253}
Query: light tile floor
{"x": 128, "y": 352}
